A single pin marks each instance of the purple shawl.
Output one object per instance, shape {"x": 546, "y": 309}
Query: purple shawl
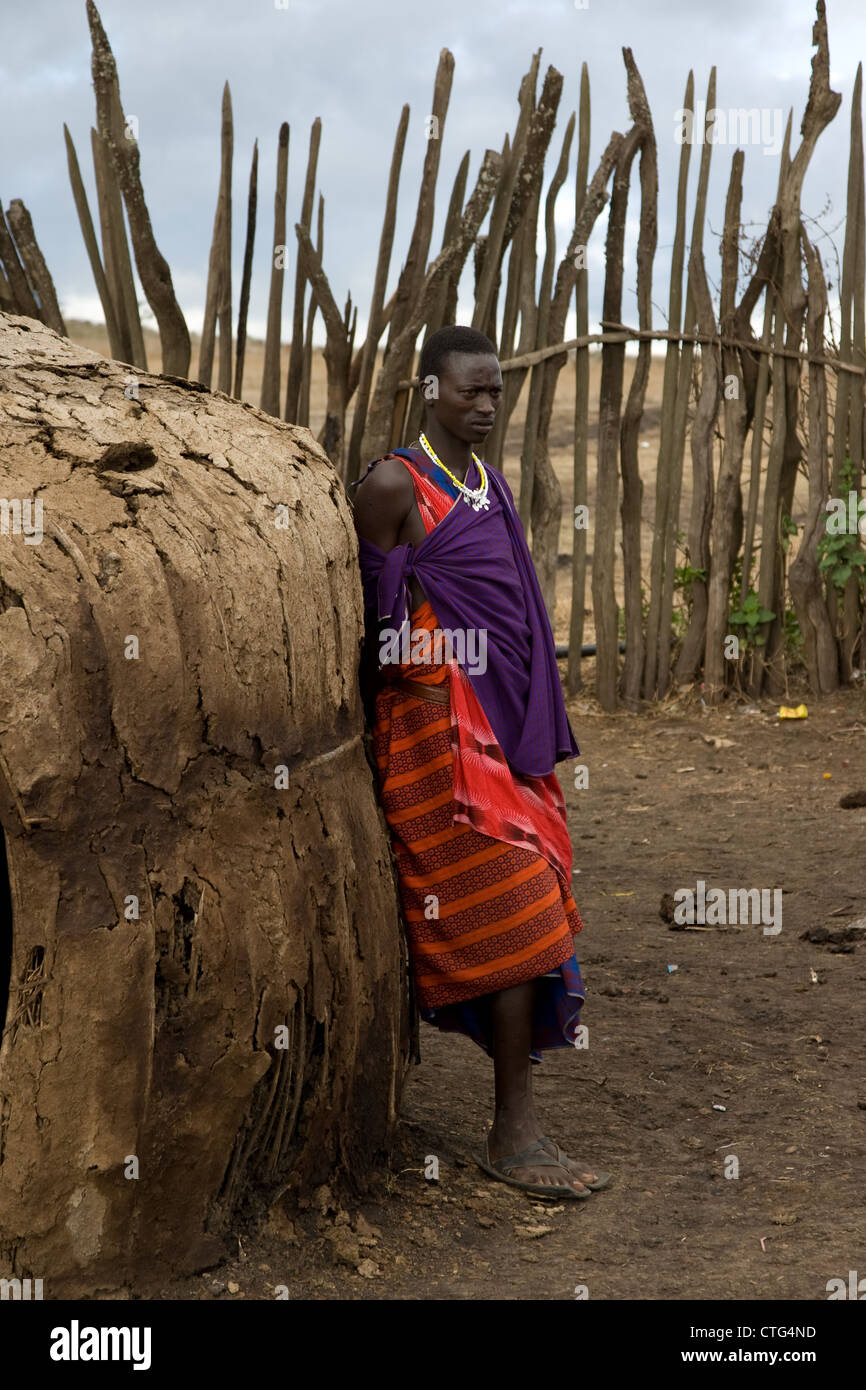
{"x": 477, "y": 573}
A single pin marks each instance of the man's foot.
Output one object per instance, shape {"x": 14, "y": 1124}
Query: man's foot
{"x": 502, "y": 1145}
{"x": 595, "y": 1182}
{"x": 569, "y": 1164}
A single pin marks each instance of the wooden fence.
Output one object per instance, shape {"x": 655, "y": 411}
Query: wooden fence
{"x": 741, "y": 569}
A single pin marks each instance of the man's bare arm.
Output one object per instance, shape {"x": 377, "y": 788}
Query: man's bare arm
{"x": 382, "y": 503}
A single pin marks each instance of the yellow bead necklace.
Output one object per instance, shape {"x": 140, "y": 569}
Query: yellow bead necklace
{"x": 476, "y": 498}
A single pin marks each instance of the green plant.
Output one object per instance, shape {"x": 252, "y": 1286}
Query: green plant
{"x": 684, "y": 577}
{"x": 793, "y": 637}
{"x": 750, "y": 617}
{"x": 737, "y": 582}
{"x": 839, "y": 556}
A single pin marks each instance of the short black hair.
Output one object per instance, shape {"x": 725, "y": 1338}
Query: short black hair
{"x": 454, "y": 337}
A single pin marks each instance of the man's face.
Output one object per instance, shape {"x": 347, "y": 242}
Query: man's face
{"x": 469, "y": 391}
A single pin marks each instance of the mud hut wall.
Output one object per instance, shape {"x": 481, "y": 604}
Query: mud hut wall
{"x": 184, "y": 896}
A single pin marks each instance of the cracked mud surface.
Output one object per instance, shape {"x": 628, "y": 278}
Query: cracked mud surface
{"x": 196, "y": 859}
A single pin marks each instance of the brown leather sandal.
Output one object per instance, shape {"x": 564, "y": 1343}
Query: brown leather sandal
{"x": 535, "y": 1156}
{"x": 602, "y": 1180}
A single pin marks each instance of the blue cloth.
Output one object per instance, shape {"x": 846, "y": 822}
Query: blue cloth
{"x": 426, "y": 465}
{"x": 559, "y": 998}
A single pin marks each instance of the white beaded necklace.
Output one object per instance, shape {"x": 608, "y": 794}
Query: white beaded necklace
{"x": 476, "y": 498}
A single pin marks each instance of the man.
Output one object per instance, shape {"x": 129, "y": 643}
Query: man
{"x": 466, "y": 750}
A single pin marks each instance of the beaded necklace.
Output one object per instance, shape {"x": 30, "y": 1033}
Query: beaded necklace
{"x": 476, "y": 498}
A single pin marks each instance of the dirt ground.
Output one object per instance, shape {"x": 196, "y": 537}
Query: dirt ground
{"x": 770, "y": 1027}
{"x": 751, "y": 1047}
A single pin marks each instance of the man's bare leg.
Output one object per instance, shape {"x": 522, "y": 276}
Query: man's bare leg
{"x": 515, "y": 1124}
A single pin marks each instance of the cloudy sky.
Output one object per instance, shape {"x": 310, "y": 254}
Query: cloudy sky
{"x": 355, "y": 63}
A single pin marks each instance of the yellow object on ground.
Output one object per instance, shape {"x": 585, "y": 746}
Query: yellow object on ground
{"x": 785, "y": 712}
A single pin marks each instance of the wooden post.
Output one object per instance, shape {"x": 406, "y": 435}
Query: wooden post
{"x": 843, "y": 380}
{"x": 113, "y": 240}
{"x": 270, "y": 397}
{"x": 499, "y": 213}
{"x": 7, "y": 299}
{"x": 518, "y": 172}
{"x": 306, "y": 375}
{"x": 296, "y": 352}
{"x": 566, "y": 277}
{"x": 337, "y": 351}
{"x": 819, "y": 643}
{"x": 123, "y": 151}
{"x": 852, "y": 631}
{"x": 510, "y": 313}
{"x": 33, "y": 261}
{"x": 520, "y": 233}
{"x": 224, "y": 300}
{"x": 546, "y": 510}
{"x": 243, "y": 309}
{"x": 609, "y": 407}
{"x": 678, "y": 448}
{"x": 437, "y": 316}
{"x": 757, "y": 446}
{"x": 581, "y": 409}
{"x": 857, "y": 398}
{"x": 663, "y": 551}
{"x": 399, "y": 356}
{"x": 375, "y": 318}
{"x": 727, "y": 523}
{"x": 91, "y": 246}
{"x": 215, "y": 294}
{"x": 785, "y": 456}
{"x": 412, "y": 274}
{"x": 17, "y": 279}
{"x": 705, "y": 415}
{"x": 632, "y": 487}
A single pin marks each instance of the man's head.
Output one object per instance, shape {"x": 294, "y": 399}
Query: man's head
{"x": 461, "y": 382}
